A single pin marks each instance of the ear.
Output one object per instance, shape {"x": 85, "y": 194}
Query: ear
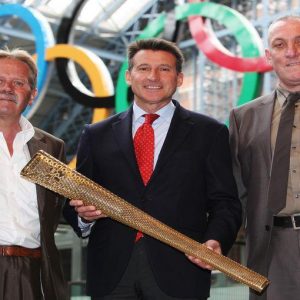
{"x": 268, "y": 56}
{"x": 32, "y": 96}
{"x": 179, "y": 79}
{"x": 128, "y": 77}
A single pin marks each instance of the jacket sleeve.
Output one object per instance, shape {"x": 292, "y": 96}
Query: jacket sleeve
{"x": 224, "y": 207}
{"x": 84, "y": 165}
{"x": 234, "y": 147}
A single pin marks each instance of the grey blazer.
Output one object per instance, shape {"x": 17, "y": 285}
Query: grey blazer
{"x": 250, "y": 141}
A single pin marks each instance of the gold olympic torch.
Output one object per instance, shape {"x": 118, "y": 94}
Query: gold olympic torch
{"x": 47, "y": 171}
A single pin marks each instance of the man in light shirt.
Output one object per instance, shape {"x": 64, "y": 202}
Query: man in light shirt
{"x": 191, "y": 189}
{"x": 29, "y": 261}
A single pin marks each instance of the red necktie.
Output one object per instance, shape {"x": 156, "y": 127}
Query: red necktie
{"x": 144, "y": 151}
{"x": 144, "y": 147}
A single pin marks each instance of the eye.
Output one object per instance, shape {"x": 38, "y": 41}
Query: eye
{"x": 278, "y": 45}
{"x": 143, "y": 68}
{"x": 18, "y": 83}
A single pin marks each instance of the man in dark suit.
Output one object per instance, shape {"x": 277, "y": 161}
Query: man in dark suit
{"x": 268, "y": 177}
{"x": 29, "y": 262}
{"x": 191, "y": 188}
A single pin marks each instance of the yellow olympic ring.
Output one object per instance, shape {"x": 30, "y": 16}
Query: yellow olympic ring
{"x": 95, "y": 69}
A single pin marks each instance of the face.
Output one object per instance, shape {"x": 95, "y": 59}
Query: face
{"x": 15, "y": 91}
{"x": 284, "y": 52}
{"x": 153, "y": 79}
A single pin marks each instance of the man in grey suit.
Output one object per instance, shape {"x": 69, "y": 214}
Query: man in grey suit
{"x": 29, "y": 214}
{"x": 265, "y": 150}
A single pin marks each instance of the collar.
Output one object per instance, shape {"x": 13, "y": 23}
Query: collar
{"x": 282, "y": 94}
{"x": 27, "y": 129}
{"x": 165, "y": 112}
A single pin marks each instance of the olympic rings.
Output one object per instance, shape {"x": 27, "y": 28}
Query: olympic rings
{"x": 65, "y": 68}
{"x": 241, "y": 28}
{"x": 214, "y": 50}
{"x": 96, "y": 70}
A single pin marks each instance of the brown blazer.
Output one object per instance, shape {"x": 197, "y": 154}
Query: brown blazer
{"x": 49, "y": 206}
{"x": 250, "y": 141}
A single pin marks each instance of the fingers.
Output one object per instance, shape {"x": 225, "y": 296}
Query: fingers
{"x": 75, "y": 202}
{"x": 212, "y": 245}
{"x": 89, "y": 213}
{"x": 199, "y": 262}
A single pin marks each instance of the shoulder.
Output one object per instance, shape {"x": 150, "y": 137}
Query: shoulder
{"x": 254, "y": 104}
{"x": 106, "y": 123}
{"x": 197, "y": 119}
{"x": 46, "y": 136}
{"x": 47, "y": 142}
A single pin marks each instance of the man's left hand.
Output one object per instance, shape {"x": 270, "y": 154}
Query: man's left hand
{"x": 211, "y": 244}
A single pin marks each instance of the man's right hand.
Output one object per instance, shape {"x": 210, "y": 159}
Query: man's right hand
{"x": 87, "y": 213}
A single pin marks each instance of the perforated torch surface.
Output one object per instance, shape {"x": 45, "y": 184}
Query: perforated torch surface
{"x": 45, "y": 170}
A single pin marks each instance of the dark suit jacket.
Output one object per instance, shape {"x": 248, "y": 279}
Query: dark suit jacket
{"x": 49, "y": 207}
{"x": 250, "y": 140}
{"x": 192, "y": 190}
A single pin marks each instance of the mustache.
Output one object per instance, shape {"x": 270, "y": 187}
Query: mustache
{"x": 8, "y": 97}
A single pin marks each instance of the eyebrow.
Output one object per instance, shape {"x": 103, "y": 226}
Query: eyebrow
{"x": 143, "y": 64}
{"x": 161, "y": 65}
{"x": 284, "y": 39}
{"x": 166, "y": 65}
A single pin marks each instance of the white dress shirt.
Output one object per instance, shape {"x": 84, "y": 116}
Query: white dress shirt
{"x": 19, "y": 218}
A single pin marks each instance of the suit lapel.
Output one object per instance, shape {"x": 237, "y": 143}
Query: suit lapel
{"x": 123, "y": 133}
{"x": 179, "y": 128}
{"x": 264, "y": 113}
{"x": 35, "y": 144}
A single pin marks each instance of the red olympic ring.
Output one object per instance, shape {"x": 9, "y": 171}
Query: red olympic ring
{"x": 217, "y": 53}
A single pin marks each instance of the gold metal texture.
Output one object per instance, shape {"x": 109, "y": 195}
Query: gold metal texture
{"x": 47, "y": 171}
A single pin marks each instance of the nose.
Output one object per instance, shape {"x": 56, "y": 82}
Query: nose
{"x": 292, "y": 50}
{"x": 153, "y": 74}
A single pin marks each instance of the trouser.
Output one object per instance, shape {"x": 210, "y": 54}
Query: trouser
{"x": 284, "y": 270}
{"x": 138, "y": 282}
{"x": 20, "y": 278}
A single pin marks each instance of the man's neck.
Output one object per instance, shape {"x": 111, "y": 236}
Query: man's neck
{"x": 289, "y": 89}
{"x": 151, "y": 108}
{"x": 9, "y": 129}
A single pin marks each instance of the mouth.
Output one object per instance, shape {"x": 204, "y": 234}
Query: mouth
{"x": 152, "y": 87}
{"x": 8, "y": 97}
{"x": 293, "y": 64}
